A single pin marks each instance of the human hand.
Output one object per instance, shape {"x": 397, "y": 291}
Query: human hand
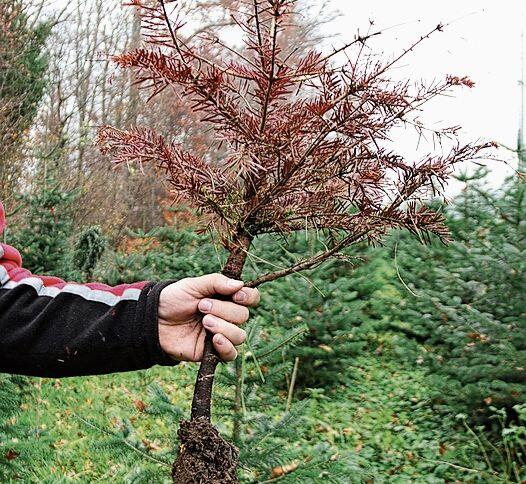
{"x": 182, "y": 324}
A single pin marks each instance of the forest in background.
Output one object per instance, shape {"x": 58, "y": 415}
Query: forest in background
{"x": 409, "y": 361}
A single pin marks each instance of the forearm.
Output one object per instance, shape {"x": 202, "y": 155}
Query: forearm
{"x": 52, "y": 328}
{"x": 76, "y": 330}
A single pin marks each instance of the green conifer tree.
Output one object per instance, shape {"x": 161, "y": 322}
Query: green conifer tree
{"x": 88, "y": 250}
{"x": 44, "y": 232}
{"x": 23, "y": 63}
{"x": 467, "y": 301}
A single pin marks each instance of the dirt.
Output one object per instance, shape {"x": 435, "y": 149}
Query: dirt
{"x": 204, "y": 456}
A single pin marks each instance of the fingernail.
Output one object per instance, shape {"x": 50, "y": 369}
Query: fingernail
{"x": 240, "y": 296}
{"x": 220, "y": 340}
{"x": 234, "y": 282}
{"x": 209, "y": 323}
{"x": 205, "y": 305}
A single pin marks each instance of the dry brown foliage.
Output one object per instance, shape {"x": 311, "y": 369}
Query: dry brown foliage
{"x": 302, "y": 135}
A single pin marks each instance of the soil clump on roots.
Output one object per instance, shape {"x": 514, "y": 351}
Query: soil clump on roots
{"x": 204, "y": 456}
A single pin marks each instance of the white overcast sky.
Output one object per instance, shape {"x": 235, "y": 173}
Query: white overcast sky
{"x": 482, "y": 42}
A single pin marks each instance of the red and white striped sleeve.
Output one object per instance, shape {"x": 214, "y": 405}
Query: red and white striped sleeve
{"x": 49, "y": 327}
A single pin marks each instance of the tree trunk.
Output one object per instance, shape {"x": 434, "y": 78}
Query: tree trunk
{"x": 204, "y": 456}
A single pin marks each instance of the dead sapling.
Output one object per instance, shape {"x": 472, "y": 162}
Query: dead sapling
{"x": 305, "y": 137}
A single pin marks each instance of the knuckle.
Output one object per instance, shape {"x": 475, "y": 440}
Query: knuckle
{"x": 216, "y": 277}
{"x": 192, "y": 283}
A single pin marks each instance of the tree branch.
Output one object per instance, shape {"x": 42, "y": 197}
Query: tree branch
{"x": 307, "y": 263}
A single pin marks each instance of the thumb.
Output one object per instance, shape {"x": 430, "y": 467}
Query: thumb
{"x": 216, "y": 284}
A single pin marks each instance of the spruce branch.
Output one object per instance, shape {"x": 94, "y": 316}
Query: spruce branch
{"x": 123, "y": 441}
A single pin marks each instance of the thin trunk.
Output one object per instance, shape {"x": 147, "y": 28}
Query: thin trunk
{"x": 201, "y": 404}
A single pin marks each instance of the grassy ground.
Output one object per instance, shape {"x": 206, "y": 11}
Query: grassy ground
{"x": 66, "y": 413}
{"x": 383, "y": 420}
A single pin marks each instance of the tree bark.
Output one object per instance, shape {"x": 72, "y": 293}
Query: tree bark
{"x": 204, "y": 456}
{"x": 201, "y": 404}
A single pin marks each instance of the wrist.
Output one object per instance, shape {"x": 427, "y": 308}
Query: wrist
{"x": 163, "y": 306}
{"x": 163, "y": 338}
{"x": 154, "y": 343}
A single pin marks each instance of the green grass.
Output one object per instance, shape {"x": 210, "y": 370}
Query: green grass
{"x": 63, "y": 413}
{"x": 383, "y": 420}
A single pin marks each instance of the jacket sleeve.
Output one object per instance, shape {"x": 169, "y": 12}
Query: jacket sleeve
{"x": 52, "y": 328}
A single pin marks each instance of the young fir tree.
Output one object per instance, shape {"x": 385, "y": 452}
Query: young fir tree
{"x": 469, "y": 306}
{"x": 23, "y": 63}
{"x": 303, "y": 137}
{"x": 342, "y": 305}
{"x": 43, "y": 236}
{"x": 88, "y": 250}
